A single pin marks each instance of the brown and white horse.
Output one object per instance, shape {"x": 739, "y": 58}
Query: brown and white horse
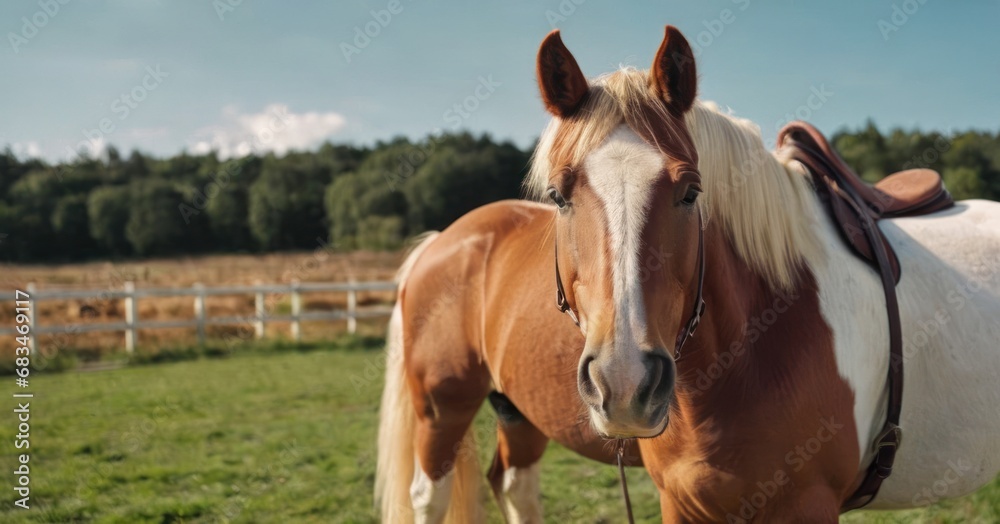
{"x": 771, "y": 411}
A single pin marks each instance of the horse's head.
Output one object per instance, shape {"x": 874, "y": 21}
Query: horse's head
{"x": 619, "y": 163}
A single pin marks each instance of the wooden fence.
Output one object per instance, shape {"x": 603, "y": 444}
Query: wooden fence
{"x": 132, "y": 324}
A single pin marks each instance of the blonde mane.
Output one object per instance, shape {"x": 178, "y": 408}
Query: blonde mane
{"x": 764, "y": 205}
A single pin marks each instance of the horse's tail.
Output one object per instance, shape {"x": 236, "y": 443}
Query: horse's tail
{"x": 397, "y": 423}
{"x": 397, "y": 426}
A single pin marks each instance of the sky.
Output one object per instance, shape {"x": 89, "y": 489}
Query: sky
{"x": 242, "y": 75}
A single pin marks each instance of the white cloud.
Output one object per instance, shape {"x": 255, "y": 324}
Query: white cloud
{"x": 273, "y": 129}
{"x": 94, "y": 148}
{"x": 29, "y": 149}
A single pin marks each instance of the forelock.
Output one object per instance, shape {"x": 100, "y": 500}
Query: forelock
{"x": 621, "y": 97}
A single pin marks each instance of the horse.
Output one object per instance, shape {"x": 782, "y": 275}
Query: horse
{"x": 474, "y": 319}
{"x": 659, "y": 203}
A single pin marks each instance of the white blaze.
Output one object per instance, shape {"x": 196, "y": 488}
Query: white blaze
{"x": 622, "y": 172}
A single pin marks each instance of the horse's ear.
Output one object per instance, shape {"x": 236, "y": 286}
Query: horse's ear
{"x": 673, "y": 73}
{"x": 560, "y": 80}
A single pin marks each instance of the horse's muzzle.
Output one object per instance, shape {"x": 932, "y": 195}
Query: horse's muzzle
{"x": 627, "y": 401}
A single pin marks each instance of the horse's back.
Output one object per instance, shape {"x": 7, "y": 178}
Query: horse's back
{"x": 949, "y": 298}
{"x": 951, "y": 272}
{"x": 443, "y": 302}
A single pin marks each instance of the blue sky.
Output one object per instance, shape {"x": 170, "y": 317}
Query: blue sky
{"x": 163, "y": 76}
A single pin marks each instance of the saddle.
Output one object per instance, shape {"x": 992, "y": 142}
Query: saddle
{"x": 856, "y": 208}
{"x": 908, "y": 193}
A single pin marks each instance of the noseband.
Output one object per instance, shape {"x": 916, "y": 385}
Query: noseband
{"x": 699, "y": 302}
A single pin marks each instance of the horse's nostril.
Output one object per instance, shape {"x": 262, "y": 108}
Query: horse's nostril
{"x": 586, "y": 383}
{"x": 659, "y": 384}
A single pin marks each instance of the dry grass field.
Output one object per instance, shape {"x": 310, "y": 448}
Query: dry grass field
{"x": 214, "y": 270}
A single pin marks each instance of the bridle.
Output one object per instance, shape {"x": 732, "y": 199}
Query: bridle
{"x": 699, "y": 301}
{"x": 682, "y": 337}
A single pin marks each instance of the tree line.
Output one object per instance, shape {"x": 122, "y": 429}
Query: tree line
{"x": 342, "y": 196}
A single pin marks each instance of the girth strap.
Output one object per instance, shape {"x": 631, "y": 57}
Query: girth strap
{"x": 829, "y": 186}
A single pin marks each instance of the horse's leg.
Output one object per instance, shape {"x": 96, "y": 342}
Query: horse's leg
{"x": 515, "y": 474}
{"x": 447, "y": 475}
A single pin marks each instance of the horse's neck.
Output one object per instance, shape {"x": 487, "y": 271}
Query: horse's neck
{"x": 733, "y": 293}
{"x": 751, "y": 335}
{"x": 759, "y": 379}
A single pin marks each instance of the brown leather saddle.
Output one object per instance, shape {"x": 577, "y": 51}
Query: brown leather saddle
{"x": 856, "y": 208}
{"x": 907, "y": 193}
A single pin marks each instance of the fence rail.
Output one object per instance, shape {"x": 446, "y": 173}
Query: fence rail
{"x": 259, "y": 319}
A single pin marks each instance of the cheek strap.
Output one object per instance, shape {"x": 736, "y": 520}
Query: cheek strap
{"x": 699, "y": 301}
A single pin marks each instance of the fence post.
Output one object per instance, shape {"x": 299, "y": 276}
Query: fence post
{"x": 258, "y": 325}
{"x": 199, "y": 311}
{"x": 131, "y": 318}
{"x": 296, "y": 311}
{"x": 32, "y": 320}
{"x": 352, "y": 310}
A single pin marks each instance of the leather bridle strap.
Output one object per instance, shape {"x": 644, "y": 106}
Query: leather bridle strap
{"x": 561, "y": 301}
{"x": 699, "y": 300}
{"x": 688, "y": 332}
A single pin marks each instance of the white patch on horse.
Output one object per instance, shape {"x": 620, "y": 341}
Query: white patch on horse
{"x": 522, "y": 494}
{"x": 622, "y": 172}
{"x": 949, "y": 298}
{"x": 430, "y": 499}
{"x": 853, "y": 304}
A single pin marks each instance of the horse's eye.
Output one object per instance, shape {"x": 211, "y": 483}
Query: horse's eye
{"x": 691, "y": 197}
{"x": 556, "y": 197}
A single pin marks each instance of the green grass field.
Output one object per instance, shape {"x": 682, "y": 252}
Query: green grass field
{"x": 270, "y": 437}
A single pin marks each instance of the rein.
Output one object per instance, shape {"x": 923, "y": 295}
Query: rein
{"x": 682, "y": 337}
{"x": 621, "y": 475}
